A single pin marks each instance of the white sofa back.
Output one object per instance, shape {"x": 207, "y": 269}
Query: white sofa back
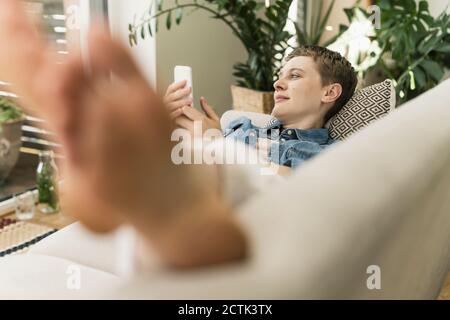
{"x": 379, "y": 199}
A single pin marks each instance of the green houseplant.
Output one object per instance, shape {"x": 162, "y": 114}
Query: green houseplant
{"x": 260, "y": 29}
{"x": 11, "y": 120}
{"x": 415, "y": 46}
{"x": 9, "y": 111}
{"x": 311, "y": 32}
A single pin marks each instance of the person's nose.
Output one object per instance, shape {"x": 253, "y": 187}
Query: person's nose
{"x": 279, "y": 85}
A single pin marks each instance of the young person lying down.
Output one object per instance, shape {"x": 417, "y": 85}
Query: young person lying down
{"x": 312, "y": 86}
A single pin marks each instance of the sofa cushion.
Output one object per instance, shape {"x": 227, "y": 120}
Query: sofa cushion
{"x": 36, "y": 276}
{"x": 97, "y": 251}
{"x": 366, "y": 106}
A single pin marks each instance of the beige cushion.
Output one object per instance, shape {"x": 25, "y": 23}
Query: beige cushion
{"x": 366, "y": 106}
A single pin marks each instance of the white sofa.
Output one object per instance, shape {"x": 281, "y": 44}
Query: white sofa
{"x": 380, "y": 198}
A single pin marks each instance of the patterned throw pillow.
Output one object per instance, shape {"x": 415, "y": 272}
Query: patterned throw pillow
{"x": 366, "y": 105}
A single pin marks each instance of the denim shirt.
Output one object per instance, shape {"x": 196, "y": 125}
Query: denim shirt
{"x": 292, "y": 146}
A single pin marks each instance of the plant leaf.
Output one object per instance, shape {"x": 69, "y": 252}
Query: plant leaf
{"x": 444, "y": 48}
{"x": 317, "y": 20}
{"x": 178, "y": 15}
{"x": 150, "y": 9}
{"x": 433, "y": 69}
{"x": 423, "y": 6}
{"x": 420, "y": 77}
{"x": 169, "y": 20}
{"x": 349, "y": 12}
{"x": 9, "y": 110}
{"x": 270, "y": 14}
{"x": 132, "y": 38}
{"x": 149, "y": 26}
{"x": 325, "y": 19}
{"x": 160, "y": 4}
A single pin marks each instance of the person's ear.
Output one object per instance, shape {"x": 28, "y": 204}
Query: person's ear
{"x": 331, "y": 93}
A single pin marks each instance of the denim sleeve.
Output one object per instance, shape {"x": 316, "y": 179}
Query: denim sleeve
{"x": 295, "y": 153}
{"x": 243, "y": 130}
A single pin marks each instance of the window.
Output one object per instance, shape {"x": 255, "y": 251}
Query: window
{"x": 65, "y": 23}
{"x": 51, "y": 15}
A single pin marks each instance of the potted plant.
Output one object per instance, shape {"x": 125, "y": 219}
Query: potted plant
{"x": 11, "y": 120}
{"x": 260, "y": 28}
{"x": 414, "y": 45}
{"x": 310, "y": 31}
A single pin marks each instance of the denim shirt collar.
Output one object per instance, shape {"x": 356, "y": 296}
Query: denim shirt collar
{"x": 317, "y": 135}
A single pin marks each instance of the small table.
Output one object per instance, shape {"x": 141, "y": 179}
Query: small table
{"x": 55, "y": 221}
{"x": 17, "y": 237}
{"x": 23, "y": 178}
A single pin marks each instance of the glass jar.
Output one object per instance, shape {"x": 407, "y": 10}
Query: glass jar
{"x": 25, "y": 205}
{"x": 47, "y": 180}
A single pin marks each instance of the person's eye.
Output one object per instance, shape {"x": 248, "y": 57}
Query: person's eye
{"x": 295, "y": 76}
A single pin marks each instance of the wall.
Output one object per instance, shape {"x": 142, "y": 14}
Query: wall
{"x": 205, "y": 44}
{"x": 121, "y": 14}
{"x": 337, "y": 16}
{"x": 437, "y": 6}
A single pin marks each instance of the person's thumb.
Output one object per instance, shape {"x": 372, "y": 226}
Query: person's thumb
{"x": 209, "y": 111}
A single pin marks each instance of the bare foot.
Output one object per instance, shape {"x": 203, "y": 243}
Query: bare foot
{"x": 116, "y": 138}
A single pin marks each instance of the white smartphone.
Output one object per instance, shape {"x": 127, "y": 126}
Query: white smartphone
{"x": 184, "y": 73}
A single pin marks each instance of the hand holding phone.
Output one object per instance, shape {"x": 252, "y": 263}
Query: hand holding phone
{"x": 184, "y": 73}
